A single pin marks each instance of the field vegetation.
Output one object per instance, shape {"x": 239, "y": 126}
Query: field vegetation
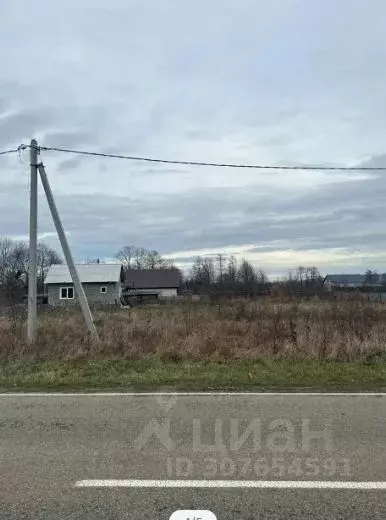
{"x": 240, "y": 329}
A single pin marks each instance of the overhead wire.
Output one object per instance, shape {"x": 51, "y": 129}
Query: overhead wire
{"x": 201, "y": 163}
{"x": 13, "y": 150}
{"x": 214, "y": 164}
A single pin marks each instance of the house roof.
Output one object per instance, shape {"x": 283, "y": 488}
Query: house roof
{"x": 152, "y": 278}
{"x": 88, "y": 273}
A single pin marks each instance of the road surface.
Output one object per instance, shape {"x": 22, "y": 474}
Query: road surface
{"x": 255, "y": 456}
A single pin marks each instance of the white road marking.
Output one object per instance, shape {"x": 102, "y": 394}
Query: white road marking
{"x": 262, "y": 484}
{"x": 187, "y": 394}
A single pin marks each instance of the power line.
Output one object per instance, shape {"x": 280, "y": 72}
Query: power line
{"x": 213, "y": 164}
{"x": 13, "y": 150}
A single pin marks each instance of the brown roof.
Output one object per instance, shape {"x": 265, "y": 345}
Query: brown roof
{"x": 152, "y": 278}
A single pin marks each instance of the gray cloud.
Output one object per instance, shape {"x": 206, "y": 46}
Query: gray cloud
{"x": 69, "y": 139}
{"x": 16, "y": 128}
{"x": 211, "y": 219}
{"x": 69, "y": 164}
{"x": 198, "y": 81}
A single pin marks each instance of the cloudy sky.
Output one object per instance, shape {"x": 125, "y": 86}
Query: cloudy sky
{"x": 256, "y": 81}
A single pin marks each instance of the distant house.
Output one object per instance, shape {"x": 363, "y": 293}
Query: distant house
{"x": 354, "y": 281}
{"x": 343, "y": 281}
{"x": 151, "y": 283}
{"x": 102, "y": 284}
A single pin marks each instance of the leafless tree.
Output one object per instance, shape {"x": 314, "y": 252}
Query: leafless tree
{"x": 167, "y": 264}
{"x": 203, "y": 271}
{"x": 46, "y": 257}
{"x": 220, "y": 261}
{"x": 126, "y": 255}
{"x": 134, "y": 257}
{"x": 6, "y": 247}
{"x": 262, "y": 281}
{"x": 236, "y": 278}
{"x": 230, "y": 275}
{"x": 301, "y": 275}
{"x": 371, "y": 276}
{"x": 153, "y": 260}
{"x": 14, "y": 266}
{"x": 247, "y": 276}
{"x": 304, "y": 281}
{"x": 140, "y": 258}
{"x": 19, "y": 257}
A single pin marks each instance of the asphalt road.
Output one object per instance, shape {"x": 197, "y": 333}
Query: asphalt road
{"x": 55, "y": 450}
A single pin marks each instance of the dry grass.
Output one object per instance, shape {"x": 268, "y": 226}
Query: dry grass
{"x": 242, "y": 330}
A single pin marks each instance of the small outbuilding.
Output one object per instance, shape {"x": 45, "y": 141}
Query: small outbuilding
{"x": 152, "y": 284}
{"x": 102, "y": 284}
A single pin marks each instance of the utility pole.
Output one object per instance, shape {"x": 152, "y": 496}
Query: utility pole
{"x": 33, "y": 239}
{"x": 67, "y": 254}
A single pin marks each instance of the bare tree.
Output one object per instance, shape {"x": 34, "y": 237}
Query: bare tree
{"x": 243, "y": 277}
{"x": 230, "y": 275}
{"x": 300, "y": 275}
{"x": 304, "y": 281}
{"x": 6, "y": 248}
{"x": 203, "y": 271}
{"x": 14, "y": 266}
{"x": 140, "y": 258}
{"x": 371, "y": 276}
{"x": 134, "y": 257}
{"x": 208, "y": 270}
{"x": 46, "y": 257}
{"x": 20, "y": 255}
{"x": 167, "y": 263}
{"x": 153, "y": 260}
{"x": 220, "y": 261}
{"x": 313, "y": 281}
{"x": 262, "y": 281}
{"x": 126, "y": 255}
{"x": 247, "y": 276}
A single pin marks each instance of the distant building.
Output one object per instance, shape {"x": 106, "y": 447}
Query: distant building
{"x": 343, "y": 281}
{"x": 102, "y": 284}
{"x": 151, "y": 283}
{"x": 354, "y": 281}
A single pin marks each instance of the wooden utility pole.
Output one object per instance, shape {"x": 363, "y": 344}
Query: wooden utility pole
{"x": 33, "y": 238}
{"x": 67, "y": 254}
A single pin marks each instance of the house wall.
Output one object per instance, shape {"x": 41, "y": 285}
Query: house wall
{"x": 331, "y": 286}
{"x": 92, "y": 292}
{"x": 162, "y": 293}
{"x": 168, "y": 293}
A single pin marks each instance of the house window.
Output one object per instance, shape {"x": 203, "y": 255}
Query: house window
{"x": 66, "y": 293}
{"x": 103, "y": 290}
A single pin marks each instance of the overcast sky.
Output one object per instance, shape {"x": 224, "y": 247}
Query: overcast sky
{"x": 257, "y": 81}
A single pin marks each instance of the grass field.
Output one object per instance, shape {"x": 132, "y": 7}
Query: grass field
{"x": 190, "y": 375}
{"x": 229, "y": 344}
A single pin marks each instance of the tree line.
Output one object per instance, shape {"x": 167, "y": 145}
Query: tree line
{"x": 216, "y": 274}
{"x": 208, "y": 274}
{"x": 220, "y": 274}
{"x": 226, "y": 275}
